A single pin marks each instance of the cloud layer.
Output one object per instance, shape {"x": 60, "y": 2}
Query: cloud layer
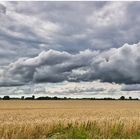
{"x": 116, "y": 65}
{"x": 55, "y": 42}
{"x": 65, "y": 26}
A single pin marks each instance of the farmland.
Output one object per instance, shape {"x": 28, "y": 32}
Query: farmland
{"x": 69, "y": 119}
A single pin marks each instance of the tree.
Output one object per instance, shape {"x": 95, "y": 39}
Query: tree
{"x": 33, "y": 97}
{"x": 6, "y": 98}
{"x": 130, "y": 98}
{"x": 65, "y": 98}
{"x": 55, "y": 98}
{"x": 22, "y": 97}
{"x": 122, "y": 98}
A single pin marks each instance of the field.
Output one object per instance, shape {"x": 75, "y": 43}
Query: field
{"x": 69, "y": 119}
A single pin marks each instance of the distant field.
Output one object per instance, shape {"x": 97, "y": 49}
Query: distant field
{"x": 69, "y": 119}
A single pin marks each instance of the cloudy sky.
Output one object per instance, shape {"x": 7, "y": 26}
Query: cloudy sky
{"x": 73, "y": 49}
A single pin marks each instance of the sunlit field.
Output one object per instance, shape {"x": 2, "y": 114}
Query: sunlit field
{"x": 69, "y": 119}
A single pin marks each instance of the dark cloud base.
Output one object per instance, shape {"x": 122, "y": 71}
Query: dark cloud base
{"x": 116, "y": 65}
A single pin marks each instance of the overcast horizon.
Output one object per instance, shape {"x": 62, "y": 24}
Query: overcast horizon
{"x": 72, "y": 49}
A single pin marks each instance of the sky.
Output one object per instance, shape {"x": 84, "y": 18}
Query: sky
{"x": 72, "y": 49}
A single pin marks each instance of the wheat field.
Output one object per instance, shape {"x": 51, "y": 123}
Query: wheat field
{"x": 69, "y": 119}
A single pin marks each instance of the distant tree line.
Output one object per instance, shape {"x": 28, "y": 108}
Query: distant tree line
{"x": 60, "y": 98}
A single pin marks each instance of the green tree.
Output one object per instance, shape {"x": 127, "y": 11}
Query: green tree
{"x": 122, "y": 98}
{"x": 130, "y": 98}
{"x": 33, "y": 97}
{"x": 6, "y": 98}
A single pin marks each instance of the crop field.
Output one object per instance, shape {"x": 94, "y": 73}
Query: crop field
{"x": 69, "y": 119}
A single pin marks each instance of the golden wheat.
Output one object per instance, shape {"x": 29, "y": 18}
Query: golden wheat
{"x": 26, "y": 119}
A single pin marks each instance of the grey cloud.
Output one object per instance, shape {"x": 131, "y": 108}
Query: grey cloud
{"x": 93, "y": 25}
{"x": 2, "y": 9}
{"x": 117, "y": 65}
{"x": 133, "y": 87}
{"x": 50, "y": 66}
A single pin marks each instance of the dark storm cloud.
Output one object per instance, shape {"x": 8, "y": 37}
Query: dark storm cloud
{"x": 50, "y": 66}
{"x": 119, "y": 65}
